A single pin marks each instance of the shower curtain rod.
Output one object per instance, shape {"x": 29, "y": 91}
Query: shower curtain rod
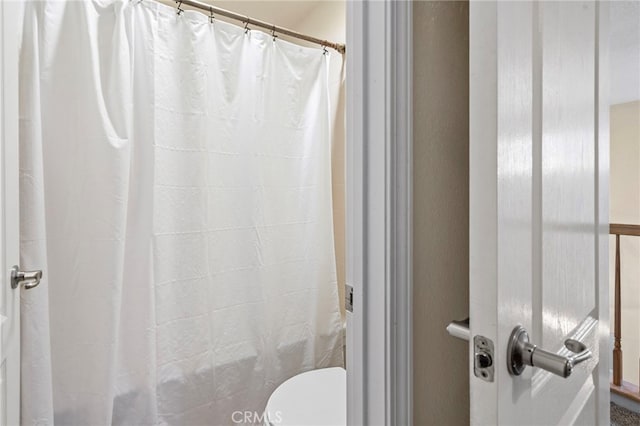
{"x": 213, "y": 10}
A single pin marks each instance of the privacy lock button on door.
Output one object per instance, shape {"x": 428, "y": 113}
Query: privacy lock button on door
{"x": 520, "y": 353}
{"x": 30, "y": 279}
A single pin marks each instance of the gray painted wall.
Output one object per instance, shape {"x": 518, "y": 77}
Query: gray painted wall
{"x": 441, "y": 210}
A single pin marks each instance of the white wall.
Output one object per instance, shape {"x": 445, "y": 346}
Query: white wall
{"x": 625, "y": 208}
{"x": 625, "y": 51}
{"x": 625, "y": 173}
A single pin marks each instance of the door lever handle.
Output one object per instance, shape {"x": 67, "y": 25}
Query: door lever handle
{"x": 30, "y": 279}
{"x": 459, "y": 329}
{"x": 520, "y": 353}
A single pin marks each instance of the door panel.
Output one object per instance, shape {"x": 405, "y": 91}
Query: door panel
{"x": 537, "y": 223}
{"x": 568, "y": 167}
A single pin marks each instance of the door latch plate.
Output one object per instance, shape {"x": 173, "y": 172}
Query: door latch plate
{"x": 483, "y": 360}
{"x": 348, "y": 298}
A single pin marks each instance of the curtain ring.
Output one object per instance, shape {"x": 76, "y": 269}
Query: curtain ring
{"x": 273, "y": 33}
{"x": 179, "y": 10}
{"x": 211, "y": 17}
{"x": 324, "y": 50}
{"x": 246, "y": 26}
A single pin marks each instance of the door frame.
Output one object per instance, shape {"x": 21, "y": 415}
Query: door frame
{"x": 379, "y": 211}
{"x": 10, "y": 19}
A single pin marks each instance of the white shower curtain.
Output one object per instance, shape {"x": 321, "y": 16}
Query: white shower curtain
{"x": 176, "y": 191}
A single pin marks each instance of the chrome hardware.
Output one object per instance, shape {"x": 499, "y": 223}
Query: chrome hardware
{"x": 521, "y": 353}
{"x": 348, "y": 298}
{"x": 459, "y": 329}
{"x": 483, "y": 365}
{"x": 30, "y": 279}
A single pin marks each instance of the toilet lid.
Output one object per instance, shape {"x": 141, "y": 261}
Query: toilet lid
{"x": 317, "y": 397}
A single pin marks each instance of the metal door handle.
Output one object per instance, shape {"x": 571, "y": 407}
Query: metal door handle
{"x": 520, "y": 353}
{"x": 30, "y": 279}
{"x": 459, "y": 329}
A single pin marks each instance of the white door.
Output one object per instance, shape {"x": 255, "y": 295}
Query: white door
{"x": 9, "y": 225}
{"x": 539, "y": 212}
